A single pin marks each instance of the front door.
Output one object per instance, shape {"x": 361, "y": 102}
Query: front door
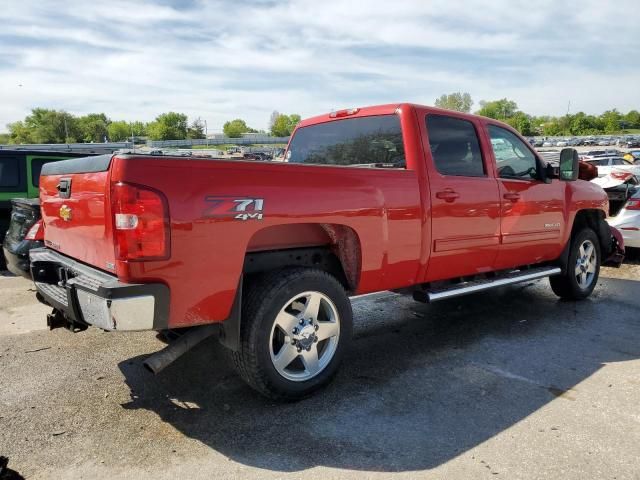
{"x": 465, "y": 206}
{"x": 532, "y": 211}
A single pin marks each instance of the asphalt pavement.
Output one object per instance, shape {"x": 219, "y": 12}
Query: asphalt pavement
{"x": 511, "y": 383}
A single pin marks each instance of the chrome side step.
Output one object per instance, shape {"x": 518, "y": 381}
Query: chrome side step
{"x": 428, "y": 296}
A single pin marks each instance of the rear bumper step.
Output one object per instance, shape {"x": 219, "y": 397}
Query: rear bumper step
{"x": 464, "y": 288}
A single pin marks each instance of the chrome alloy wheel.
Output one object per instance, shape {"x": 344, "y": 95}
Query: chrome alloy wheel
{"x": 586, "y": 264}
{"x": 304, "y": 336}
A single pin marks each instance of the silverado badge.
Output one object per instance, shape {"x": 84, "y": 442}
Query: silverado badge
{"x": 65, "y": 213}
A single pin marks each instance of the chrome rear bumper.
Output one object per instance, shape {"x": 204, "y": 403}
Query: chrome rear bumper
{"x": 87, "y": 296}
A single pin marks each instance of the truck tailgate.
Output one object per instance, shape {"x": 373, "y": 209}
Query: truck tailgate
{"x": 76, "y": 212}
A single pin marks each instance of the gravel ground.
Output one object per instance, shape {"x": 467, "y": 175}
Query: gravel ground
{"x": 512, "y": 383}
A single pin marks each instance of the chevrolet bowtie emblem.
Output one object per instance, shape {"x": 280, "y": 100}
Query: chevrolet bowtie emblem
{"x": 65, "y": 213}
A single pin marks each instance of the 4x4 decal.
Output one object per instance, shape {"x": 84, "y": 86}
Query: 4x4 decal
{"x": 240, "y": 208}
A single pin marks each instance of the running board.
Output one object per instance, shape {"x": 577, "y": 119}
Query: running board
{"x": 428, "y": 296}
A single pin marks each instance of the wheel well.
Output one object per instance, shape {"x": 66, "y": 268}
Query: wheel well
{"x": 329, "y": 247}
{"x": 595, "y": 220}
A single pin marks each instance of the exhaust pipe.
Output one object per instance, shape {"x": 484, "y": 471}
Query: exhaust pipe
{"x": 165, "y": 357}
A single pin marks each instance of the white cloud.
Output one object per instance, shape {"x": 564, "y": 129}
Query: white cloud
{"x": 221, "y": 60}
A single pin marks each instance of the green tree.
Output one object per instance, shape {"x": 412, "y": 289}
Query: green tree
{"x": 19, "y": 133}
{"x": 196, "y": 130}
{"x": 46, "y": 126}
{"x": 5, "y": 138}
{"x": 611, "y": 120}
{"x": 283, "y": 125}
{"x": 460, "y": 102}
{"x": 93, "y": 127}
{"x": 118, "y": 131}
{"x": 294, "y": 120}
{"x": 632, "y": 119}
{"x": 552, "y": 128}
{"x": 168, "y": 126}
{"x": 139, "y": 129}
{"x": 521, "y": 122}
{"x": 235, "y": 128}
{"x": 498, "y": 109}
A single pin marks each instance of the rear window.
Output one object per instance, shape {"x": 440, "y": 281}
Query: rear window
{"x": 11, "y": 178}
{"x": 455, "y": 147}
{"x": 36, "y": 168}
{"x": 358, "y": 142}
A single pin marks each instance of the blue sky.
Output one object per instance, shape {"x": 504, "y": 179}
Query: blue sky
{"x": 226, "y": 59}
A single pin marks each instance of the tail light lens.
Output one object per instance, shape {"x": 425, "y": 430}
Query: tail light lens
{"x": 140, "y": 223}
{"x": 633, "y": 204}
{"x": 36, "y": 232}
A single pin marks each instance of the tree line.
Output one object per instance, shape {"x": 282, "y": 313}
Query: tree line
{"x": 609, "y": 122}
{"x": 44, "y": 125}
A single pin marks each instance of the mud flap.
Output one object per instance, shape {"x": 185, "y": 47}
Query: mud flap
{"x": 230, "y": 328}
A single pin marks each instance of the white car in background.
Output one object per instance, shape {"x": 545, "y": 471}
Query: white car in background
{"x": 623, "y": 190}
{"x": 606, "y": 165}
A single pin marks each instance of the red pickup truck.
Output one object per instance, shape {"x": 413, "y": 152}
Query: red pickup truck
{"x": 266, "y": 254}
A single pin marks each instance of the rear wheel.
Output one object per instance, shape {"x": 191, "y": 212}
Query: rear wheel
{"x": 296, "y": 325}
{"x": 583, "y": 267}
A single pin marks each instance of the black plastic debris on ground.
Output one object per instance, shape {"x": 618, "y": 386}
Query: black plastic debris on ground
{"x": 6, "y": 473}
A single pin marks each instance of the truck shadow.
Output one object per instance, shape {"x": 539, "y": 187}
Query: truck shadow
{"x": 422, "y": 384}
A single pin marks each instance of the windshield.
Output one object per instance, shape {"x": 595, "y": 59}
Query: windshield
{"x": 374, "y": 141}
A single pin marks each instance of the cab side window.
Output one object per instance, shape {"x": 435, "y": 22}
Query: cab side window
{"x": 454, "y": 146}
{"x": 513, "y": 157}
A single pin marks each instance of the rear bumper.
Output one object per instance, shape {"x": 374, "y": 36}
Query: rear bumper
{"x": 86, "y": 295}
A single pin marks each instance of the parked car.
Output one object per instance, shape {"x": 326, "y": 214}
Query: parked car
{"x": 260, "y": 255}
{"x": 594, "y": 153}
{"x": 632, "y": 143}
{"x": 19, "y": 178}
{"x": 548, "y": 143}
{"x": 623, "y": 190}
{"x": 606, "y": 165}
{"x": 25, "y": 233}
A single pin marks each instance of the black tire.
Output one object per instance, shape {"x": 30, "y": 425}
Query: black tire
{"x": 263, "y": 299}
{"x": 566, "y": 285}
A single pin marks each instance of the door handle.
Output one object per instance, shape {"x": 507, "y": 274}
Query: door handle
{"x": 447, "y": 195}
{"x": 513, "y": 196}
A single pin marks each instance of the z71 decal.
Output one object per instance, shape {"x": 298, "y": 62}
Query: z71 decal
{"x": 243, "y": 208}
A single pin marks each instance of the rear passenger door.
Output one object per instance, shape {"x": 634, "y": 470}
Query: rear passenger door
{"x": 465, "y": 205}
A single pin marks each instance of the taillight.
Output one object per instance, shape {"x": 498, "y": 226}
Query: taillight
{"x": 633, "y": 204}
{"x": 36, "y": 232}
{"x": 140, "y": 222}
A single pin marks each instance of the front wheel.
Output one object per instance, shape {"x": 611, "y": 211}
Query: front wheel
{"x": 583, "y": 267}
{"x": 296, "y": 324}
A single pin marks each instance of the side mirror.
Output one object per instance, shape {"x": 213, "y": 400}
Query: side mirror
{"x": 569, "y": 165}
